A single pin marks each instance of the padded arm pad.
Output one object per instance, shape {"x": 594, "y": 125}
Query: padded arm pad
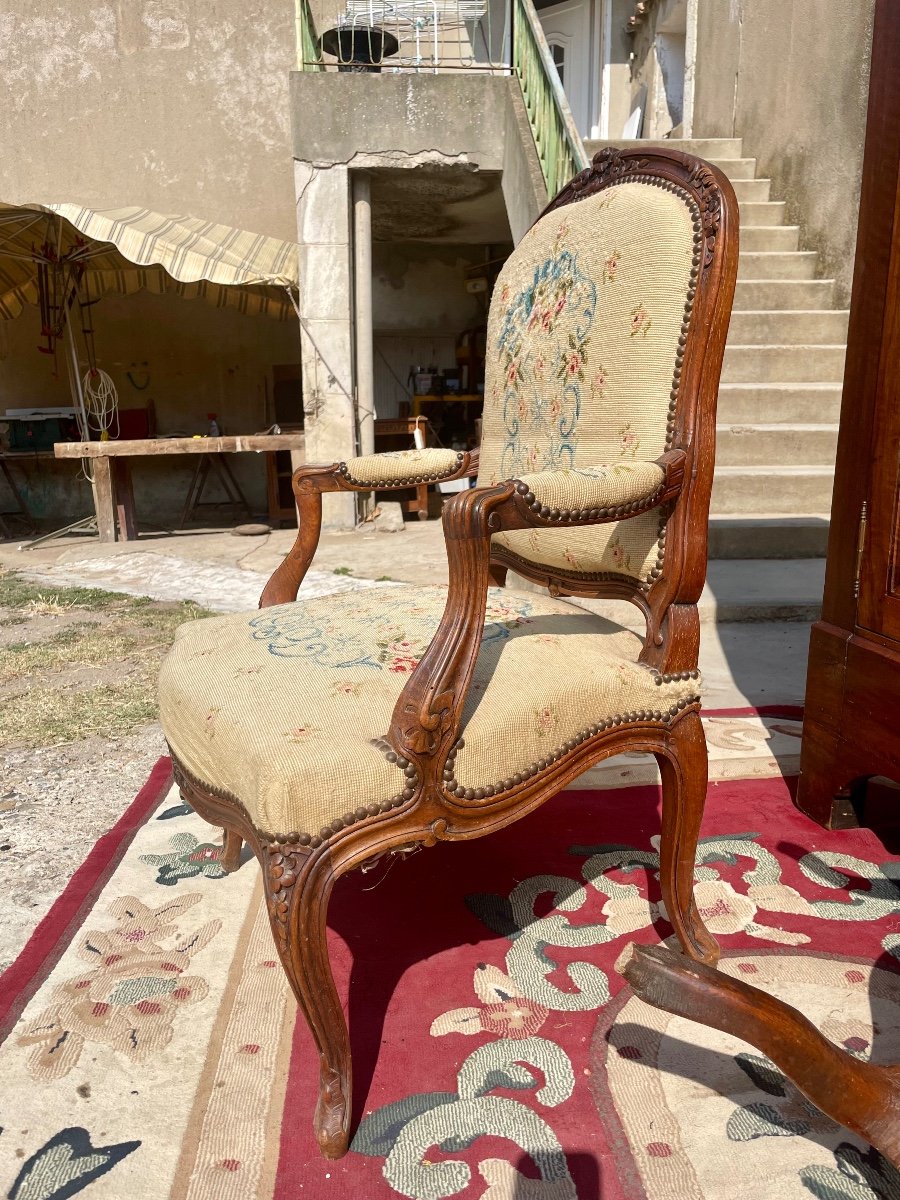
{"x": 402, "y": 468}
{"x": 605, "y": 486}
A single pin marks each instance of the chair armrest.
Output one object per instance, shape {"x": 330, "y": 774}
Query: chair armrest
{"x": 403, "y": 468}
{"x": 399, "y": 469}
{"x": 593, "y": 495}
{"x": 593, "y": 489}
{"x": 426, "y": 718}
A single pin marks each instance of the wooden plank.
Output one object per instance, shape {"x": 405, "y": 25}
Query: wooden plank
{"x": 124, "y": 500}
{"x": 104, "y": 500}
{"x": 151, "y": 447}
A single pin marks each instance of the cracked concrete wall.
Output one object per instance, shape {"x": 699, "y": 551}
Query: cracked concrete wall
{"x": 792, "y": 81}
{"x": 170, "y": 104}
{"x": 421, "y": 288}
{"x": 382, "y": 120}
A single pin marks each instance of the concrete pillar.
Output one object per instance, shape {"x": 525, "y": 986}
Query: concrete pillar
{"x": 362, "y": 272}
{"x": 690, "y": 58}
{"x": 326, "y": 327}
{"x": 365, "y": 355}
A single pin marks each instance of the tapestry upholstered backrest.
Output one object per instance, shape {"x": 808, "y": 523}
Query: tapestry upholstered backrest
{"x": 587, "y": 326}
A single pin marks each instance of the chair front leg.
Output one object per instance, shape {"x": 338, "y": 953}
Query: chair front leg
{"x": 298, "y": 890}
{"x": 684, "y": 770}
{"x": 286, "y": 579}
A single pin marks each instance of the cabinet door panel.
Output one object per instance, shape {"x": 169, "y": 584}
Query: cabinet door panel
{"x": 879, "y": 582}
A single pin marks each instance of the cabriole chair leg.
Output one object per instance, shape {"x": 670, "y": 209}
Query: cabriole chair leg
{"x": 298, "y": 914}
{"x": 684, "y": 772}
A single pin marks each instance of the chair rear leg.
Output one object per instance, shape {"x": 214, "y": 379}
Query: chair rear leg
{"x": 299, "y": 888}
{"x": 231, "y": 850}
{"x": 684, "y": 769}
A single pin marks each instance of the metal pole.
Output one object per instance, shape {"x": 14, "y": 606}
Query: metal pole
{"x": 362, "y": 277}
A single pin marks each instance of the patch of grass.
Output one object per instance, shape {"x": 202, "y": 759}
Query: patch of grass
{"x": 342, "y": 571}
{"x": 45, "y": 716}
{"x": 16, "y": 592}
{"x": 384, "y": 579}
{"x": 93, "y": 676}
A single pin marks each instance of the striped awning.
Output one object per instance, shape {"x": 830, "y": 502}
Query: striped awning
{"x": 127, "y": 250}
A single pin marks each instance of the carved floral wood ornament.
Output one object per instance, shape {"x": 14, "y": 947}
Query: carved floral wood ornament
{"x": 434, "y": 770}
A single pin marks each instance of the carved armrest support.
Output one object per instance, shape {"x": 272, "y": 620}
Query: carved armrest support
{"x": 405, "y": 468}
{"x": 426, "y": 720}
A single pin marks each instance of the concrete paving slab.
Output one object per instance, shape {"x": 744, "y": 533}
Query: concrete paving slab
{"x": 221, "y": 587}
{"x": 737, "y": 589}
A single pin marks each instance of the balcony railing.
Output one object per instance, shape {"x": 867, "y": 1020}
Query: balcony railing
{"x": 432, "y": 36}
{"x": 411, "y": 36}
{"x": 308, "y": 54}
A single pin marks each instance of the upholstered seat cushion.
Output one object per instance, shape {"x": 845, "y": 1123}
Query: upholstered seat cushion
{"x": 281, "y": 707}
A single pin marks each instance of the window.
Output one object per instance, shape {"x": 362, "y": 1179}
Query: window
{"x": 559, "y": 59}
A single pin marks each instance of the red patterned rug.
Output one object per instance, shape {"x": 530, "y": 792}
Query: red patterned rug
{"x": 153, "y": 1050}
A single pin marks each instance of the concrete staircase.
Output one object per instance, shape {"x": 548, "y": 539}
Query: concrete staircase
{"x": 780, "y": 394}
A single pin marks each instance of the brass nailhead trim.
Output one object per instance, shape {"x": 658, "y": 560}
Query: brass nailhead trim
{"x": 398, "y": 483}
{"x": 454, "y": 788}
{"x": 674, "y": 677}
{"x": 362, "y": 813}
{"x": 584, "y": 514}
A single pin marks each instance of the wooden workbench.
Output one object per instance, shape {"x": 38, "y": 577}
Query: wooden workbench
{"x": 113, "y": 492}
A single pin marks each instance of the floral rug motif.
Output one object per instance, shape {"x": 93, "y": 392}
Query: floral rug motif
{"x": 153, "y": 1048}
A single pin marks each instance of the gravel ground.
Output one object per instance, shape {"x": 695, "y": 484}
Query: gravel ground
{"x": 54, "y": 804}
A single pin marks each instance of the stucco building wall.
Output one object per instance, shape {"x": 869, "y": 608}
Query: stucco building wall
{"x": 792, "y": 81}
{"x": 174, "y": 105}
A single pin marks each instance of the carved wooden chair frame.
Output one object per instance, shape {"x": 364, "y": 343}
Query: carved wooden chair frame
{"x": 300, "y": 869}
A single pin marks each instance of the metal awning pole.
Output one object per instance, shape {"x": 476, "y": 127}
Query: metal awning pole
{"x": 75, "y": 378}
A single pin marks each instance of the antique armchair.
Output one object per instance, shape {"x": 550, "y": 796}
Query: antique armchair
{"x": 328, "y": 732}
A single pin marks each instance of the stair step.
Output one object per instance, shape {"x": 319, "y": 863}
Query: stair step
{"x": 756, "y": 190}
{"x": 755, "y": 590}
{"x": 783, "y": 294}
{"x": 796, "y": 264}
{"x": 809, "y": 327}
{"x": 762, "y": 238}
{"x": 708, "y": 148}
{"x": 796, "y": 490}
{"x": 736, "y": 168}
{"x": 783, "y": 364}
{"x": 772, "y": 535}
{"x": 745, "y": 403}
{"x": 762, "y": 212}
{"x": 756, "y": 444}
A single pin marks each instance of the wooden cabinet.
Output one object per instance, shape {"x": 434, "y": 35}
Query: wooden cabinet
{"x": 851, "y": 729}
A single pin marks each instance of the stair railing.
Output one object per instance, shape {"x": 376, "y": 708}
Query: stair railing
{"x": 308, "y": 53}
{"x": 559, "y": 146}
